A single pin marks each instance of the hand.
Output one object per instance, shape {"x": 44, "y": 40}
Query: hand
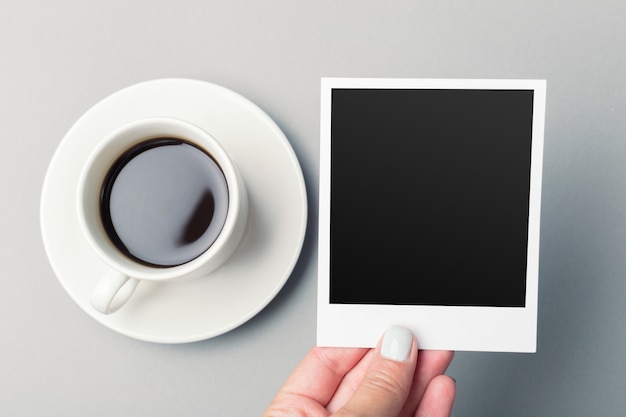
{"x": 393, "y": 380}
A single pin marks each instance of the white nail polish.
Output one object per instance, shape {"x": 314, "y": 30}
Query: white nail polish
{"x": 397, "y": 343}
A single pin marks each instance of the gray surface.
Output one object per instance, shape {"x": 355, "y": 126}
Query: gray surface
{"x": 59, "y": 58}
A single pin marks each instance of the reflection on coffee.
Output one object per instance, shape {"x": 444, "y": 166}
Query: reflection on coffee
{"x": 164, "y": 202}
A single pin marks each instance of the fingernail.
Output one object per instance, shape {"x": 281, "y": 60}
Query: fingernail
{"x": 397, "y": 343}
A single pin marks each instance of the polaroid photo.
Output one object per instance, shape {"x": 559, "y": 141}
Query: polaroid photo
{"x": 430, "y": 197}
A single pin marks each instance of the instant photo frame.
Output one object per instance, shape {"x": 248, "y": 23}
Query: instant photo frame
{"x": 429, "y": 211}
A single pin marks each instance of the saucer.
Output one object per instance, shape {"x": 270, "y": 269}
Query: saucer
{"x": 198, "y": 309}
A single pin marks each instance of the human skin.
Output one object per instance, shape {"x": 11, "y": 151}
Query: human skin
{"x": 395, "y": 379}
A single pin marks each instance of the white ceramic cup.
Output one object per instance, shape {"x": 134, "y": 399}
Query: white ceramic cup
{"x": 115, "y": 288}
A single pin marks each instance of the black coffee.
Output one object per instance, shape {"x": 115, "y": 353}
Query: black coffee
{"x": 164, "y": 202}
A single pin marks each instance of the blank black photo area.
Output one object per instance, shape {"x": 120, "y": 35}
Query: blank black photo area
{"x": 430, "y": 196}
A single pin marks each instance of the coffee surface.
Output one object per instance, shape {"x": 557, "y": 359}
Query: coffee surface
{"x": 164, "y": 202}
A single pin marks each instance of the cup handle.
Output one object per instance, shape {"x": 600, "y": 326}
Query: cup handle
{"x": 112, "y": 292}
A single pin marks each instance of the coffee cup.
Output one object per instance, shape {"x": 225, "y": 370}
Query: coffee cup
{"x": 159, "y": 199}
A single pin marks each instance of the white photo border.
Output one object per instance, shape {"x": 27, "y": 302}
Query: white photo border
{"x": 459, "y": 328}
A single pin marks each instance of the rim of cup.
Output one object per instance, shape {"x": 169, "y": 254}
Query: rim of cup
{"x": 98, "y": 164}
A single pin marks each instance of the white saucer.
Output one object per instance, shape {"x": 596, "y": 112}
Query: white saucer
{"x": 193, "y": 310}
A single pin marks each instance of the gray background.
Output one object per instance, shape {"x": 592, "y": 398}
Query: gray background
{"x": 59, "y": 58}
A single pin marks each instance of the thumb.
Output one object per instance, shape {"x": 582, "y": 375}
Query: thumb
{"x": 387, "y": 382}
